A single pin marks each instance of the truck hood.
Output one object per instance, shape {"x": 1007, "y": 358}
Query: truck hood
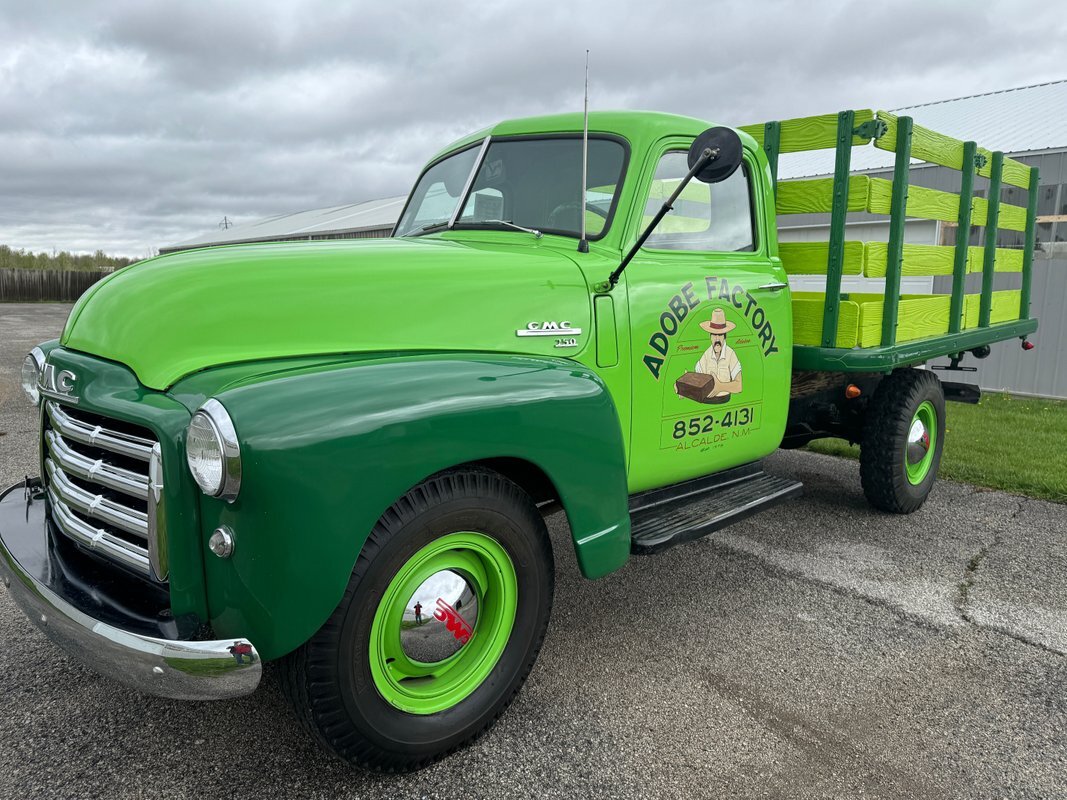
{"x": 181, "y": 313}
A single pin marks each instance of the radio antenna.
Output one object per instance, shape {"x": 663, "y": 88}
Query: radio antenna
{"x": 583, "y": 243}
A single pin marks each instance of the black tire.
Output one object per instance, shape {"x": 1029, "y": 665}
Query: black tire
{"x": 883, "y": 453}
{"x": 328, "y": 679}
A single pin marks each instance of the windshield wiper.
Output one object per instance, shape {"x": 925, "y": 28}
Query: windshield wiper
{"x": 507, "y": 223}
{"x": 433, "y": 226}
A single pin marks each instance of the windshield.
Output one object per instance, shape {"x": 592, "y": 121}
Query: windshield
{"x": 534, "y": 183}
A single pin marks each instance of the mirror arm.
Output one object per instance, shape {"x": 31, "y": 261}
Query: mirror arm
{"x": 706, "y": 157}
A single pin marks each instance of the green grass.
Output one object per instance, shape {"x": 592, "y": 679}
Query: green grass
{"x": 1017, "y": 444}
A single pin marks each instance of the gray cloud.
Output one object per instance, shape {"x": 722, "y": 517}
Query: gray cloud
{"x": 127, "y": 125}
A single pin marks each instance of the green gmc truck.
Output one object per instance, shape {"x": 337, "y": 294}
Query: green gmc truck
{"x": 338, "y": 455}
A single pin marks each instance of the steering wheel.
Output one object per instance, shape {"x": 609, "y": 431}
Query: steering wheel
{"x": 565, "y": 212}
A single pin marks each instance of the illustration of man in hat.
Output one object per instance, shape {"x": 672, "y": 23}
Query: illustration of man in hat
{"x": 720, "y": 360}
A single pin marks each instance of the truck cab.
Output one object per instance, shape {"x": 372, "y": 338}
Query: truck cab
{"x": 713, "y": 261}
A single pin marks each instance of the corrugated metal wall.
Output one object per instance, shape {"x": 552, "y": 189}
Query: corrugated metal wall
{"x": 1042, "y": 371}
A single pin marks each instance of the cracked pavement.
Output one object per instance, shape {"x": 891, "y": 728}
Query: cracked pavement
{"x": 820, "y": 649}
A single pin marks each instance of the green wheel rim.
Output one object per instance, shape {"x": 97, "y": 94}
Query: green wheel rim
{"x": 426, "y": 688}
{"x": 917, "y": 468}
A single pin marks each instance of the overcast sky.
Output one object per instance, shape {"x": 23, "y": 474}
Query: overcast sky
{"x": 128, "y": 125}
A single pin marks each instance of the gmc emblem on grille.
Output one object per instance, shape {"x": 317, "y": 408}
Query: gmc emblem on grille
{"x": 57, "y": 383}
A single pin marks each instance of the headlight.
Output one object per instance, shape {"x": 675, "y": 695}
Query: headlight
{"x": 212, "y": 452}
{"x": 31, "y": 373}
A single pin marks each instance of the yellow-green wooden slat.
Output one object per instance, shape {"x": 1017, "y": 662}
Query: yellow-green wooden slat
{"x": 809, "y": 133}
{"x": 1004, "y": 307}
{"x": 918, "y": 317}
{"x": 945, "y": 206}
{"x": 919, "y": 259}
{"x": 807, "y": 320}
{"x": 809, "y": 258}
{"x": 1014, "y": 172}
{"x": 922, "y": 202}
{"x": 928, "y": 145}
{"x": 1008, "y": 260}
{"x": 934, "y": 259}
{"x": 816, "y": 196}
{"x": 1011, "y": 218}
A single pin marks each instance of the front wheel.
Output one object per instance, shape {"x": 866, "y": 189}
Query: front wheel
{"x": 903, "y": 437}
{"x": 441, "y": 623}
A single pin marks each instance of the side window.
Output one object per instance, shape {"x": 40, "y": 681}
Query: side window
{"x": 713, "y": 217}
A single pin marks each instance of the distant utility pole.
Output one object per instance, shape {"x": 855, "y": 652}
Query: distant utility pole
{"x": 225, "y": 224}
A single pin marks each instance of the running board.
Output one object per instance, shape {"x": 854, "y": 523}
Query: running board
{"x": 662, "y": 518}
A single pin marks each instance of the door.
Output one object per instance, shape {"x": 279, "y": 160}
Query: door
{"x": 711, "y": 330}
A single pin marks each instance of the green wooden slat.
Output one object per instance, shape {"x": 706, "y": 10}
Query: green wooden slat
{"x": 990, "y": 239}
{"x": 809, "y": 258}
{"x": 1031, "y": 243}
{"x": 771, "y": 144}
{"x": 897, "y": 218}
{"x": 816, "y": 196}
{"x": 963, "y": 235}
{"x": 842, "y": 190}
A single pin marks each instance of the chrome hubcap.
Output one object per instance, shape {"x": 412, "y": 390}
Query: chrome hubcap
{"x": 918, "y": 442}
{"x": 439, "y": 618}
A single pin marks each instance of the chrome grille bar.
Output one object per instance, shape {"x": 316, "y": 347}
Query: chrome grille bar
{"x": 97, "y": 538}
{"x": 97, "y": 436}
{"x": 99, "y": 471}
{"x": 95, "y": 505}
{"x": 88, "y": 488}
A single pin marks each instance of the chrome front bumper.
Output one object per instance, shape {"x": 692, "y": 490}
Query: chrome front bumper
{"x": 179, "y": 669}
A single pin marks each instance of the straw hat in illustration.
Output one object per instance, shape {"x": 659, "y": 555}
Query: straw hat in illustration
{"x": 718, "y": 323}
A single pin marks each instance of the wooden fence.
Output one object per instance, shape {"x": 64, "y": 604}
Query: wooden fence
{"x": 56, "y": 285}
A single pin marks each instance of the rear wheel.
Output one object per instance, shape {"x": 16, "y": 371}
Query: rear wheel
{"x": 441, "y": 623}
{"x": 903, "y": 437}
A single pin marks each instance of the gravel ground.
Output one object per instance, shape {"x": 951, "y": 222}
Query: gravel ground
{"x": 817, "y": 650}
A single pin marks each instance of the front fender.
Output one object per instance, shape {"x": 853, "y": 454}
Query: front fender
{"x": 326, "y": 450}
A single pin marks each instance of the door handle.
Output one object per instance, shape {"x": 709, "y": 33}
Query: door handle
{"x": 774, "y": 287}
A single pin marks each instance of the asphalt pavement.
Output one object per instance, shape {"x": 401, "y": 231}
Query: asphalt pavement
{"x": 820, "y": 649}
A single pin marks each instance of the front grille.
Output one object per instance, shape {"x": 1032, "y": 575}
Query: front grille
{"x": 102, "y": 477}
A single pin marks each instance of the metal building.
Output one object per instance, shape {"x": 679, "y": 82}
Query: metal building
{"x": 368, "y": 220}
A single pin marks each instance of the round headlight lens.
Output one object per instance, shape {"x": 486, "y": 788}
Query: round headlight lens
{"x": 212, "y": 451}
{"x": 203, "y": 451}
{"x": 31, "y": 374}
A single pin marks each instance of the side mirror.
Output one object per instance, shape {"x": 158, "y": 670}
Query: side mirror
{"x": 725, "y": 146}
{"x": 714, "y": 156}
